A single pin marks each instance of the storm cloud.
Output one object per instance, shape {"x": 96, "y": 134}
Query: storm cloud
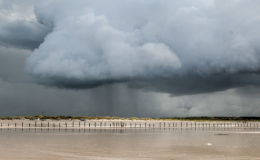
{"x": 97, "y": 42}
{"x": 167, "y": 46}
{"x": 19, "y": 27}
{"x": 130, "y": 58}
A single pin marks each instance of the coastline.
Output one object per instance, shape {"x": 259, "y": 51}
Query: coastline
{"x": 126, "y": 123}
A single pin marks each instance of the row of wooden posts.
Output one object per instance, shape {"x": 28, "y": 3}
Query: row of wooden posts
{"x": 85, "y": 124}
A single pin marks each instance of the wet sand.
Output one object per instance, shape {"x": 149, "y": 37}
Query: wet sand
{"x": 129, "y": 144}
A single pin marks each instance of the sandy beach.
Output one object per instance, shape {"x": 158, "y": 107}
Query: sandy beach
{"x": 128, "y": 140}
{"x": 129, "y": 144}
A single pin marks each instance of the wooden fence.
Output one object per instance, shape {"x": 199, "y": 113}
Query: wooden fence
{"x": 126, "y": 124}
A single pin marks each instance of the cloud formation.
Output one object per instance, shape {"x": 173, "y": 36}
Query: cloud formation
{"x": 19, "y": 27}
{"x": 179, "y": 47}
{"x": 85, "y": 48}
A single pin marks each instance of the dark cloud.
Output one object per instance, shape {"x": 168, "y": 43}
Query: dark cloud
{"x": 195, "y": 48}
{"x": 118, "y": 100}
{"x": 19, "y": 96}
{"x": 110, "y": 100}
{"x": 12, "y": 62}
{"x": 196, "y": 84}
{"x": 22, "y": 34}
{"x": 132, "y": 58}
{"x": 18, "y": 26}
{"x": 88, "y": 44}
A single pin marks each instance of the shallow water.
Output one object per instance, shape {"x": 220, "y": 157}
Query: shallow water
{"x": 124, "y": 144}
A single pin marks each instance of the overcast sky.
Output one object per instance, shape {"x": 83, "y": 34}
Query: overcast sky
{"x": 130, "y": 58}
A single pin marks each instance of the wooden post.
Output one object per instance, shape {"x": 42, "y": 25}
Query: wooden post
{"x": 22, "y": 124}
